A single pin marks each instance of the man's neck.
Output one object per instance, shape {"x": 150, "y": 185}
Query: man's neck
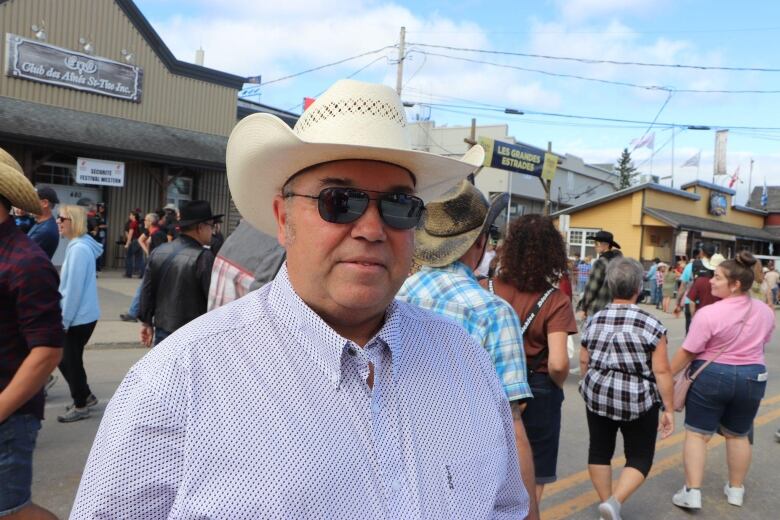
{"x": 4, "y": 216}
{"x": 192, "y": 235}
{"x": 43, "y": 217}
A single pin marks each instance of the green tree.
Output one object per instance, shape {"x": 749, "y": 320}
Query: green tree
{"x": 625, "y": 169}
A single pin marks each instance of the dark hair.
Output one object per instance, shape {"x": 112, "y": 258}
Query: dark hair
{"x": 6, "y": 203}
{"x": 533, "y": 255}
{"x": 656, "y": 260}
{"x": 740, "y": 269}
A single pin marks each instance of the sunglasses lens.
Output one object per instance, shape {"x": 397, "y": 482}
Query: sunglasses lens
{"x": 400, "y": 210}
{"x": 342, "y": 205}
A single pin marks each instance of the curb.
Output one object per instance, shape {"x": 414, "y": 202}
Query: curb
{"x": 114, "y": 346}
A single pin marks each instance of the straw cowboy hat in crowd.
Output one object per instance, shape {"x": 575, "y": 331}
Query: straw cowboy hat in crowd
{"x": 15, "y": 187}
{"x": 454, "y": 222}
{"x": 351, "y": 120}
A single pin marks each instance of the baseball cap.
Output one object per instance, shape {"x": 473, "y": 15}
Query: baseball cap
{"x": 49, "y": 194}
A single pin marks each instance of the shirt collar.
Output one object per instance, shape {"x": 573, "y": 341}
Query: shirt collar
{"x": 324, "y": 346}
{"x": 457, "y": 267}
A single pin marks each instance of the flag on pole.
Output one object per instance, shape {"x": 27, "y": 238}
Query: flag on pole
{"x": 307, "y": 102}
{"x": 646, "y": 141}
{"x": 254, "y": 80}
{"x": 764, "y": 195}
{"x": 693, "y": 161}
{"x": 734, "y": 178}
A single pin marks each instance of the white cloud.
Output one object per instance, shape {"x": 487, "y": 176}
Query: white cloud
{"x": 585, "y": 9}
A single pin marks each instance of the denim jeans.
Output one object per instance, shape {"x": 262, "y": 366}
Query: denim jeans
{"x": 159, "y": 335}
{"x": 542, "y": 421}
{"x": 135, "y": 305}
{"x": 18, "y": 434}
{"x": 725, "y": 397}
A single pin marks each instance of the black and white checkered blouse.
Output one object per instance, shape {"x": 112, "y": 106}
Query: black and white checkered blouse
{"x": 619, "y": 383}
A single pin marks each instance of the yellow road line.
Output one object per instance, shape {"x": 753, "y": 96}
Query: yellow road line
{"x": 589, "y": 498}
{"x": 582, "y": 476}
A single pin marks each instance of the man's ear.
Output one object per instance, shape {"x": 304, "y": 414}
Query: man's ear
{"x": 280, "y": 213}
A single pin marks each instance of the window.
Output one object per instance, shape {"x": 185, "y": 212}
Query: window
{"x": 56, "y": 173}
{"x": 179, "y": 190}
{"x": 581, "y": 242}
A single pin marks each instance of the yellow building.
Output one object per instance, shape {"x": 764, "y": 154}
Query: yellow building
{"x": 650, "y": 220}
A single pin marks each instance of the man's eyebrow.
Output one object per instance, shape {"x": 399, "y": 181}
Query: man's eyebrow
{"x": 349, "y": 183}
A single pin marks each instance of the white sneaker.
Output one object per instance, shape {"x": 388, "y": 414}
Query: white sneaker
{"x": 689, "y": 498}
{"x": 734, "y": 495}
{"x": 608, "y": 511}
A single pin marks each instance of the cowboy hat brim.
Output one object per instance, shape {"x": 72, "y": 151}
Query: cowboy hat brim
{"x": 263, "y": 153}
{"x": 15, "y": 187}
{"x": 436, "y": 251}
{"x": 216, "y": 218}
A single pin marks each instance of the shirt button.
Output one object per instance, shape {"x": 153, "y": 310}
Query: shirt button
{"x": 351, "y": 351}
{"x": 396, "y": 485}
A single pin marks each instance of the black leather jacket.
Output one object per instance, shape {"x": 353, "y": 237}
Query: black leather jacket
{"x": 175, "y": 292}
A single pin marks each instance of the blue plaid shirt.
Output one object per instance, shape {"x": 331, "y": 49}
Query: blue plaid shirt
{"x": 453, "y": 291}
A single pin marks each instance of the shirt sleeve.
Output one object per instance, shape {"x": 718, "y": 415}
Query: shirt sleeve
{"x": 137, "y": 460}
{"x": 38, "y": 304}
{"x": 562, "y": 317}
{"x": 203, "y": 269}
{"x": 504, "y": 342}
{"x": 146, "y": 304}
{"x": 699, "y": 334}
{"x": 595, "y": 281}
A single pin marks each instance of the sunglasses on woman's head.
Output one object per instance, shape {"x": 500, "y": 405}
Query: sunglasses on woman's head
{"x": 345, "y": 205}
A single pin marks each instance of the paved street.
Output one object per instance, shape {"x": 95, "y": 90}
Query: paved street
{"x": 62, "y": 449}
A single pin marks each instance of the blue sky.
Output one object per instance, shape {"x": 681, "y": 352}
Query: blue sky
{"x": 282, "y": 38}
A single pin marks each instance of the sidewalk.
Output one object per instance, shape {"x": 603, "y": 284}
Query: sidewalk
{"x": 115, "y": 294}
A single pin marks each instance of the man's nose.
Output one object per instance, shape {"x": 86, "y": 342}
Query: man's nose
{"x": 370, "y": 225}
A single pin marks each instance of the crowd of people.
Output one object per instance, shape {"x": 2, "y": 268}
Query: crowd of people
{"x": 399, "y": 362}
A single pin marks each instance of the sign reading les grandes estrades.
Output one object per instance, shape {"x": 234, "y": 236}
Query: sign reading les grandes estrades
{"x": 519, "y": 158}
{"x": 37, "y": 61}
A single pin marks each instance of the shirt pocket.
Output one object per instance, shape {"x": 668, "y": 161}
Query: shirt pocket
{"x": 470, "y": 484}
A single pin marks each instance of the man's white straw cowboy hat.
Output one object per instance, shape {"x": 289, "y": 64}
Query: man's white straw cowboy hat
{"x": 15, "y": 187}
{"x": 351, "y": 120}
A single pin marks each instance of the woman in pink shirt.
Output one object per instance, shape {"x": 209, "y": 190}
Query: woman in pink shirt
{"x": 726, "y": 395}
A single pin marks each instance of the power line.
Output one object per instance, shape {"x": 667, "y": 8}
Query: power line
{"x": 597, "y": 80}
{"x": 339, "y": 62}
{"x": 361, "y": 69}
{"x": 596, "y": 118}
{"x": 678, "y": 31}
{"x": 592, "y": 61}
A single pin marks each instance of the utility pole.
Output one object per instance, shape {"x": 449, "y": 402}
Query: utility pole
{"x": 471, "y": 140}
{"x": 546, "y": 185}
{"x": 400, "y": 71}
{"x": 750, "y": 182}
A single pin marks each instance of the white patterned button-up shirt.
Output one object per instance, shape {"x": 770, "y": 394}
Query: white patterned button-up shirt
{"x": 261, "y": 410}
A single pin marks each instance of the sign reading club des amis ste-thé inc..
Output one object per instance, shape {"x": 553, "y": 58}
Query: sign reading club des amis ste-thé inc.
{"x": 45, "y": 63}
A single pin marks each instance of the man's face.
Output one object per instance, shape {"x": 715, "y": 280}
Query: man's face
{"x": 347, "y": 273}
{"x": 602, "y": 247}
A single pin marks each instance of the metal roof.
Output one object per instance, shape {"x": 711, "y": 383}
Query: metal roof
{"x": 627, "y": 191}
{"x": 66, "y": 129}
{"x": 690, "y": 222}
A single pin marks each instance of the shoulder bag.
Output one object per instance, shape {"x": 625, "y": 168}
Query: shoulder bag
{"x": 684, "y": 380}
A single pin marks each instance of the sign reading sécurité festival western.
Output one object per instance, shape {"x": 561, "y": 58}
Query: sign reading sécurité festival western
{"x": 519, "y": 158}
{"x": 38, "y": 61}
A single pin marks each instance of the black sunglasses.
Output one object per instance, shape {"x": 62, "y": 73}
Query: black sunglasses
{"x": 345, "y": 205}
{"x": 62, "y": 219}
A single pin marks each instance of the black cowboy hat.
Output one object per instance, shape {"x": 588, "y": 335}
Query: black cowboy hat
{"x": 607, "y": 238}
{"x": 195, "y": 212}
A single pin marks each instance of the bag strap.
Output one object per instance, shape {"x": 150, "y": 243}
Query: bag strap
{"x": 723, "y": 349}
{"x": 542, "y": 354}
